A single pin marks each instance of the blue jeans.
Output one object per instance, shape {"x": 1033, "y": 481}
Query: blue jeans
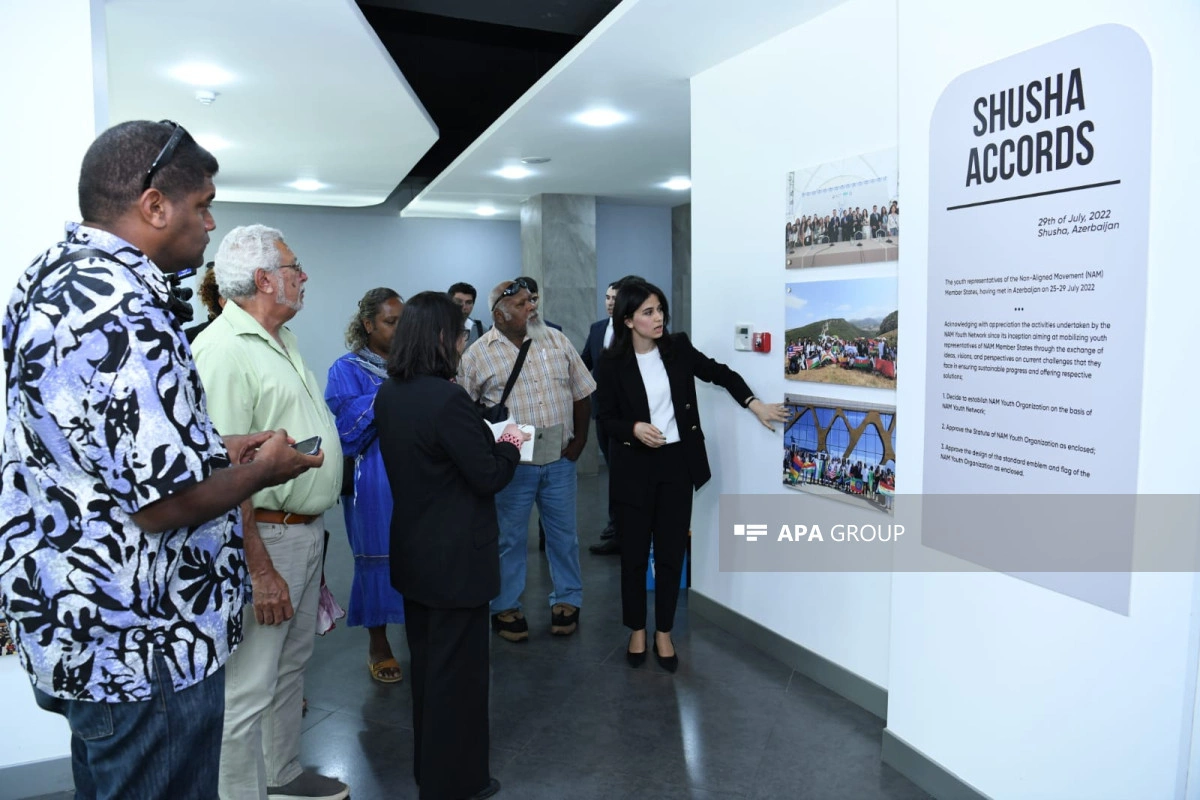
{"x": 553, "y": 487}
{"x": 167, "y": 746}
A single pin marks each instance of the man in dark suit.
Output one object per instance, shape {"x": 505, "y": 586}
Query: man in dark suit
{"x": 464, "y": 295}
{"x": 599, "y": 337}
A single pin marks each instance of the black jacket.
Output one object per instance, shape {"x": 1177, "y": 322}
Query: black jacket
{"x": 593, "y": 348}
{"x": 445, "y": 468}
{"x": 621, "y": 397}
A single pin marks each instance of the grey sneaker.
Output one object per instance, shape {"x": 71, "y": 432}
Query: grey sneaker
{"x": 310, "y": 786}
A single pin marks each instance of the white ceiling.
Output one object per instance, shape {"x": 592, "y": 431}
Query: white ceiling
{"x": 313, "y": 94}
{"x": 637, "y": 61}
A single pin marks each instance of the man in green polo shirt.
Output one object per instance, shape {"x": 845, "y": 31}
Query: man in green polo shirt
{"x": 254, "y": 379}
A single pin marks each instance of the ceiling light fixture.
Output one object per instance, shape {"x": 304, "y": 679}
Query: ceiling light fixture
{"x": 307, "y": 185}
{"x": 486, "y": 211}
{"x": 535, "y": 160}
{"x": 514, "y": 173}
{"x": 211, "y": 142}
{"x": 678, "y": 184}
{"x": 206, "y": 97}
{"x": 199, "y": 74}
{"x": 600, "y": 117}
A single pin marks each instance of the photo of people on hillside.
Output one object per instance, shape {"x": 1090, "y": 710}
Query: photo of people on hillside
{"x": 843, "y": 332}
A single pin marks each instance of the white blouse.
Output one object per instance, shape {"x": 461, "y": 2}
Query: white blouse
{"x": 658, "y": 392}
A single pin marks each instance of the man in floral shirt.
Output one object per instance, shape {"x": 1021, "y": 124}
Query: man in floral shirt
{"x": 121, "y": 565}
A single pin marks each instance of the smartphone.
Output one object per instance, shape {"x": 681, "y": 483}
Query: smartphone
{"x": 309, "y": 446}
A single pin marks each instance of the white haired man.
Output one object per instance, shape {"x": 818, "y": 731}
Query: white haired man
{"x": 252, "y": 370}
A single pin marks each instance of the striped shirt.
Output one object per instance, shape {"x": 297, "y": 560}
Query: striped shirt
{"x": 552, "y": 379}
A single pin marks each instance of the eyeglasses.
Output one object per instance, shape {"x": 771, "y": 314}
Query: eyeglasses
{"x": 514, "y": 287}
{"x": 164, "y": 155}
{"x": 297, "y": 266}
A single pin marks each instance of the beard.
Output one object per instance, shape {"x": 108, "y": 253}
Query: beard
{"x": 282, "y": 299}
{"x": 537, "y": 328}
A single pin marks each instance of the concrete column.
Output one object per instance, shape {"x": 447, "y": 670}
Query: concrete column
{"x": 681, "y": 269}
{"x": 558, "y": 250}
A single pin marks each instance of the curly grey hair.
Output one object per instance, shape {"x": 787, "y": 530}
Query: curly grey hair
{"x": 243, "y": 250}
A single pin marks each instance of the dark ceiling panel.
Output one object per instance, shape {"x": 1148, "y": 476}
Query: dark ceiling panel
{"x": 575, "y": 17}
{"x": 468, "y": 72}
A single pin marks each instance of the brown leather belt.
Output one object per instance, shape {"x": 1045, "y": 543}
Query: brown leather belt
{"x": 282, "y": 517}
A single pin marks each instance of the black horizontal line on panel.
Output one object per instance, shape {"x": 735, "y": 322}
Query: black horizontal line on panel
{"x": 1033, "y": 194}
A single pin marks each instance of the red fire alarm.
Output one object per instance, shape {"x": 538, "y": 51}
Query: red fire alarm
{"x": 762, "y": 342}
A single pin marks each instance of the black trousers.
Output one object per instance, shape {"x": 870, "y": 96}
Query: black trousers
{"x": 602, "y": 438}
{"x": 665, "y": 520}
{"x": 449, "y": 679}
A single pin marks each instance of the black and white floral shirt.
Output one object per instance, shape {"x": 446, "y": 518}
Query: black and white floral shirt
{"x": 106, "y": 415}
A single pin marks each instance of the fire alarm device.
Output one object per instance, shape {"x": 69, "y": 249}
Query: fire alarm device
{"x": 762, "y": 342}
{"x": 741, "y": 336}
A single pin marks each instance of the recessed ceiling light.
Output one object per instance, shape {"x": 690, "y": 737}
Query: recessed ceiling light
{"x": 210, "y": 142}
{"x": 535, "y": 159}
{"x": 199, "y": 74}
{"x": 600, "y": 117}
{"x": 307, "y": 185}
{"x": 514, "y": 173}
{"x": 678, "y": 184}
{"x": 486, "y": 211}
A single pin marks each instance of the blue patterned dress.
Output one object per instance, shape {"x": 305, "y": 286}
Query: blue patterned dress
{"x": 350, "y": 392}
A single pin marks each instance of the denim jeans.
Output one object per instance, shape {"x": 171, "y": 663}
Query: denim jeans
{"x": 553, "y": 488}
{"x": 167, "y": 746}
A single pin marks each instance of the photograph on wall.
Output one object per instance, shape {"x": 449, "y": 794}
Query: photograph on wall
{"x": 842, "y": 450}
{"x": 843, "y": 213}
{"x": 842, "y": 332}
{"x": 7, "y": 646}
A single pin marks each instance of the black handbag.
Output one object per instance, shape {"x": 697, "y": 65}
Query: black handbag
{"x": 499, "y": 412}
{"x": 348, "y": 469}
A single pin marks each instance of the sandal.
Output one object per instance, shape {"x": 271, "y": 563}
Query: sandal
{"x": 380, "y": 668}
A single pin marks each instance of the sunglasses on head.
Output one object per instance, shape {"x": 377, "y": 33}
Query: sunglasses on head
{"x": 514, "y": 287}
{"x": 165, "y": 155}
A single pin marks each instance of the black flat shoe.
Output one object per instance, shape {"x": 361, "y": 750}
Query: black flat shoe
{"x": 669, "y": 663}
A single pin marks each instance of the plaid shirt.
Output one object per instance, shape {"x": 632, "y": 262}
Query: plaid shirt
{"x": 552, "y": 379}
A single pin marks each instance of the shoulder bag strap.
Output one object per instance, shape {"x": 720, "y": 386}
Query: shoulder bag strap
{"x": 516, "y": 370}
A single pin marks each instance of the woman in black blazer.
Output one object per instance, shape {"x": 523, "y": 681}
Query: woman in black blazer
{"x": 444, "y": 467}
{"x": 646, "y": 392}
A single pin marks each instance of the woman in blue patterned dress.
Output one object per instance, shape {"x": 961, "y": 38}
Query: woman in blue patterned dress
{"x": 350, "y": 392}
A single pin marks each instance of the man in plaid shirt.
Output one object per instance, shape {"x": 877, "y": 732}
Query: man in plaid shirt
{"x": 553, "y": 388}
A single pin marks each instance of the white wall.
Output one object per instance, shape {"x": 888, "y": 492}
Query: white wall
{"x": 631, "y": 240}
{"x": 52, "y": 120}
{"x": 1020, "y": 691}
{"x": 348, "y": 251}
{"x": 756, "y": 117}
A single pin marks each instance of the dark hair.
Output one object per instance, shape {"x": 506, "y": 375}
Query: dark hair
{"x": 462, "y": 288}
{"x": 368, "y": 308}
{"x": 110, "y": 180}
{"x": 426, "y": 341}
{"x": 209, "y": 293}
{"x": 621, "y": 281}
{"x": 630, "y": 296}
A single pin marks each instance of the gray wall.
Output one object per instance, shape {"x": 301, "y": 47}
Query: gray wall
{"x": 348, "y": 251}
{"x": 632, "y": 240}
